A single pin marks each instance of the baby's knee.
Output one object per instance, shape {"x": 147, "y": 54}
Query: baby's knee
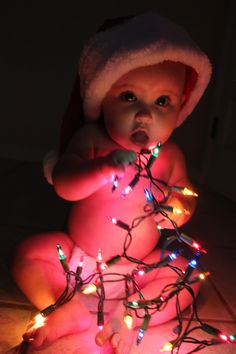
{"x": 44, "y": 246}
{"x": 177, "y": 271}
{"x": 22, "y": 254}
{"x": 25, "y": 250}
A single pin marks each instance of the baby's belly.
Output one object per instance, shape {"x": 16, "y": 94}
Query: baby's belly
{"x": 91, "y": 230}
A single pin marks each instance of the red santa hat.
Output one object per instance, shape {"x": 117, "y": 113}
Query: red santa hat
{"x": 143, "y": 40}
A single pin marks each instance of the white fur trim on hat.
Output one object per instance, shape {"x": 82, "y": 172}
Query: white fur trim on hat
{"x": 144, "y": 40}
{"x": 49, "y": 162}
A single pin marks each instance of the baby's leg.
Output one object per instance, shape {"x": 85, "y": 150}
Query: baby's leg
{"x": 40, "y": 276}
{"x": 151, "y": 285}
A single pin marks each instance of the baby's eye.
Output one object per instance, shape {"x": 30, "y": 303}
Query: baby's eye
{"x": 162, "y": 101}
{"x": 128, "y": 96}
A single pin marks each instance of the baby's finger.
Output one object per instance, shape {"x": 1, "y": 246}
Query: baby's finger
{"x": 132, "y": 156}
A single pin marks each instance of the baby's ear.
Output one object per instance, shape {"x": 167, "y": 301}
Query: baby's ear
{"x": 73, "y": 118}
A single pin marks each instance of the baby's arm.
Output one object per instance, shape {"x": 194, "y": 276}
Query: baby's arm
{"x": 79, "y": 173}
{"x": 177, "y": 176}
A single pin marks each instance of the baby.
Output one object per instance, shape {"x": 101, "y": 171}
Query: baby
{"x": 139, "y": 81}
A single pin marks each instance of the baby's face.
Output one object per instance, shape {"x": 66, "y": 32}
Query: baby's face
{"x": 141, "y": 108}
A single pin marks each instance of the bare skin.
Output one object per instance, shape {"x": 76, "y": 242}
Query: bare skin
{"x": 146, "y": 100}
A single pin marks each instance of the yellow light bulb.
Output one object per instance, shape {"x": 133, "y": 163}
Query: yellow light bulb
{"x": 128, "y": 319}
{"x": 187, "y": 191}
{"x": 39, "y": 321}
{"x": 89, "y": 289}
{"x": 204, "y": 275}
{"x": 179, "y": 211}
{"x": 167, "y": 347}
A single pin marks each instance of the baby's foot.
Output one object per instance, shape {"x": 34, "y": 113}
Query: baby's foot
{"x": 69, "y": 318}
{"x": 118, "y": 334}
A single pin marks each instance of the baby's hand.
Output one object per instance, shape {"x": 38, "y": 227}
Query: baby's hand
{"x": 117, "y": 333}
{"x": 121, "y": 157}
{"x": 117, "y": 160}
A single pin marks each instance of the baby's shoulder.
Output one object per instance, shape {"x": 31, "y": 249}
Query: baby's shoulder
{"x": 87, "y": 139}
{"x": 81, "y": 142}
{"x": 171, "y": 151}
{"x": 169, "y": 161}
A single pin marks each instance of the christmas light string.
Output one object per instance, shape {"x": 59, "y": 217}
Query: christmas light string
{"x": 145, "y": 308}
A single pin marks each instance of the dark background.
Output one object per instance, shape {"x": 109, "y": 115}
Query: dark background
{"x": 40, "y": 46}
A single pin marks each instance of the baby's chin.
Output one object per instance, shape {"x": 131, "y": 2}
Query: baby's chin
{"x": 136, "y": 146}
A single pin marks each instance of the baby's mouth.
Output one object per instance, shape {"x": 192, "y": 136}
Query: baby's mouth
{"x": 139, "y": 137}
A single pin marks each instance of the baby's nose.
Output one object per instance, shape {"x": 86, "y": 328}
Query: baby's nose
{"x": 143, "y": 115}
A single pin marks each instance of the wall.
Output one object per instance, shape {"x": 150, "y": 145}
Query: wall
{"x": 40, "y": 45}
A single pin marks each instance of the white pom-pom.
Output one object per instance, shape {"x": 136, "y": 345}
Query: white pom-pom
{"x": 49, "y": 163}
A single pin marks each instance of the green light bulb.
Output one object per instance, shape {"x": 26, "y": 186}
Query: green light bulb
{"x": 62, "y": 257}
{"x": 132, "y": 303}
{"x": 156, "y": 150}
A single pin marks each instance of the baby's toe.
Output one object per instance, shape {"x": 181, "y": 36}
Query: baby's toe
{"x": 126, "y": 349}
{"x": 39, "y": 339}
{"x": 104, "y": 335}
{"x": 115, "y": 339}
{"x": 120, "y": 347}
{"x": 29, "y": 335}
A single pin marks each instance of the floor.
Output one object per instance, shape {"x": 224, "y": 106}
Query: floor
{"x": 28, "y": 205}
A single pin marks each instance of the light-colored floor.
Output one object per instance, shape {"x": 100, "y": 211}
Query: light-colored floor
{"x": 28, "y": 205}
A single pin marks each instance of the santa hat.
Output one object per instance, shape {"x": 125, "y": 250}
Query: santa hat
{"x": 143, "y": 40}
